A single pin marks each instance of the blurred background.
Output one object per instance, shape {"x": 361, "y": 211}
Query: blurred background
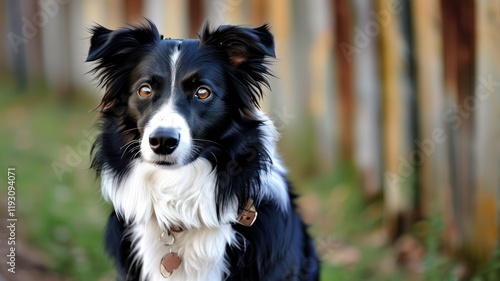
{"x": 389, "y": 112}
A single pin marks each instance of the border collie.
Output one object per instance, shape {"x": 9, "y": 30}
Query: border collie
{"x": 189, "y": 161}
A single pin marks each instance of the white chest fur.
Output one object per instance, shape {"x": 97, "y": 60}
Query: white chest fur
{"x": 202, "y": 252}
{"x": 150, "y": 197}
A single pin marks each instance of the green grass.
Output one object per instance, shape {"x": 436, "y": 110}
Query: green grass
{"x": 62, "y": 217}
{"x": 347, "y": 217}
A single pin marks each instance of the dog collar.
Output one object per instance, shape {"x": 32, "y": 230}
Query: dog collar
{"x": 246, "y": 217}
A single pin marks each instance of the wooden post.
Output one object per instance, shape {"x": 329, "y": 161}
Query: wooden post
{"x": 487, "y": 137}
{"x": 4, "y": 48}
{"x": 368, "y": 134}
{"x": 170, "y": 16}
{"x": 279, "y": 12}
{"x": 400, "y": 159}
{"x": 133, "y": 10}
{"x": 459, "y": 65}
{"x": 258, "y": 10}
{"x": 196, "y": 12}
{"x": 317, "y": 36}
{"x": 343, "y": 34}
{"x": 18, "y": 49}
{"x": 430, "y": 94}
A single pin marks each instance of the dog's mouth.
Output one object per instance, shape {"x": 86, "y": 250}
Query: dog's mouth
{"x": 164, "y": 163}
{"x": 161, "y": 163}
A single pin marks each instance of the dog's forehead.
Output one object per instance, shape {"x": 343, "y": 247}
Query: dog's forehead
{"x": 170, "y": 50}
{"x": 179, "y": 44}
{"x": 177, "y": 50}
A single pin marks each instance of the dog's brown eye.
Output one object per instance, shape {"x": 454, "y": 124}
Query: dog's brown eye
{"x": 145, "y": 91}
{"x": 203, "y": 93}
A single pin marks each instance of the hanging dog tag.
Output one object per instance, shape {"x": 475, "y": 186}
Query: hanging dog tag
{"x": 248, "y": 215}
{"x": 169, "y": 263}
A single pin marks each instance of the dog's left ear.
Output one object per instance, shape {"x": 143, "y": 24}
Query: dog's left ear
{"x": 241, "y": 45}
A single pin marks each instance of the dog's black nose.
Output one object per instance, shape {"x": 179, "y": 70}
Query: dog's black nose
{"x": 164, "y": 140}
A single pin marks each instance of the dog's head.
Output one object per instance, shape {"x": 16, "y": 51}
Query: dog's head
{"x": 168, "y": 101}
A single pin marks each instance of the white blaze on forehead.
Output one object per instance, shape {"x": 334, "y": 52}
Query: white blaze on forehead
{"x": 173, "y": 65}
{"x": 168, "y": 117}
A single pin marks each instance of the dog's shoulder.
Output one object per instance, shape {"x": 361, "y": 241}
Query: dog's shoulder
{"x": 275, "y": 247}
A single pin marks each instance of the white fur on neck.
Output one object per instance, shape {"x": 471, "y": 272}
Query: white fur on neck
{"x": 153, "y": 199}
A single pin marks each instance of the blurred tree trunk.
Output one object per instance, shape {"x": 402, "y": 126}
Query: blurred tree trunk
{"x": 487, "y": 142}
{"x": 343, "y": 35}
{"x": 3, "y": 30}
{"x": 17, "y": 43}
{"x": 435, "y": 192}
{"x": 133, "y": 10}
{"x": 113, "y": 12}
{"x": 285, "y": 107}
{"x": 459, "y": 65}
{"x": 258, "y": 10}
{"x": 170, "y": 16}
{"x": 368, "y": 136}
{"x": 401, "y": 160}
{"x": 317, "y": 77}
{"x": 196, "y": 12}
{"x": 34, "y": 60}
{"x": 319, "y": 82}
{"x": 279, "y": 14}
{"x": 56, "y": 53}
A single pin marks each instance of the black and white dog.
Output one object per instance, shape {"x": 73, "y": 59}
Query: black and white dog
{"x": 188, "y": 160}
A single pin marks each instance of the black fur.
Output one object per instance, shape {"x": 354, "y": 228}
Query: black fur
{"x": 232, "y": 61}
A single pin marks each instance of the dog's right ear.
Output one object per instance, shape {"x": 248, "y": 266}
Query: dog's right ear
{"x": 107, "y": 44}
{"x": 112, "y": 51}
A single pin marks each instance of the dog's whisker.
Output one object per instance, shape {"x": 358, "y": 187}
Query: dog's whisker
{"x": 197, "y": 146}
{"x": 215, "y": 158}
{"x": 130, "y": 130}
{"x": 137, "y": 153}
{"x": 207, "y": 141}
{"x": 129, "y": 144}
